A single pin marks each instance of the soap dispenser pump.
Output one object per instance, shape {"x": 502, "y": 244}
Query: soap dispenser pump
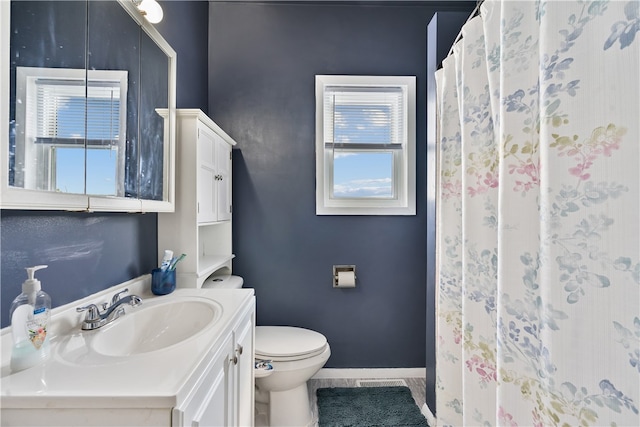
{"x": 30, "y": 314}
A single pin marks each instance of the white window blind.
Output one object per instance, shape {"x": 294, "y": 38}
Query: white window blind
{"x": 364, "y": 115}
{"x": 64, "y": 114}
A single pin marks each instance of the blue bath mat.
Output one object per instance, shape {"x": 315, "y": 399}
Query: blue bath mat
{"x": 368, "y": 406}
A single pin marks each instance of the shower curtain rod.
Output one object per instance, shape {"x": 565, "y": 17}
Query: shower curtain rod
{"x": 476, "y": 12}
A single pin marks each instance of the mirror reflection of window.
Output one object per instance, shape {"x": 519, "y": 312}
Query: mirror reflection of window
{"x": 101, "y": 164}
{"x": 67, "y": 123}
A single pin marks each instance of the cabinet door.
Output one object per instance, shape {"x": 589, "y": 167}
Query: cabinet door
{"x": 207, "y": 211}
{"x": 223, "y": 182}
{"x": 244, "y": 386}
{"x": 210, "y": 402}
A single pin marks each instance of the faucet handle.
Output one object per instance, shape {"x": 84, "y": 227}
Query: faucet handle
{"x": 135, "y": 300}
{"x": 116, "y": 297}
{"x": 93, "y": 312}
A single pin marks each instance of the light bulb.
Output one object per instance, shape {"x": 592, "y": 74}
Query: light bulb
{"x": 151, "y": 10}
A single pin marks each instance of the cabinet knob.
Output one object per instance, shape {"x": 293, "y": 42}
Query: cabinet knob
{"x": 239, "y": 350}
{"x": 234, "y": 360}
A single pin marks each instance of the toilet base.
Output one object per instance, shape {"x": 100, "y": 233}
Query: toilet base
{"x": 261, "y": 418}
{"x": 290, "y": 407}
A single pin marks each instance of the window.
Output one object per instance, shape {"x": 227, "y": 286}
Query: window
{"x": 365, "y": 145}
{"x": 69, "y": 123}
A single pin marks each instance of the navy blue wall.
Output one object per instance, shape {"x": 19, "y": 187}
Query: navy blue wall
{"x": 88, "y": 252}
{"x": 185, "y": 27}
{"x": 85, "y": 252}
{"x": 262, "y": 61}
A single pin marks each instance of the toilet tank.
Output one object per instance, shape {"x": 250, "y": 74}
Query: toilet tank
{"x": 223, "y": 279}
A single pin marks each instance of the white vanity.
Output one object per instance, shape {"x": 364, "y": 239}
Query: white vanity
{"x": 181, "y": 359}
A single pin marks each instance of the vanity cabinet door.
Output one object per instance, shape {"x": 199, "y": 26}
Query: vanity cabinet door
{"x": 223, "y": 394}
{"x": 244, "y": 381}
{"x": 210, "y": 403}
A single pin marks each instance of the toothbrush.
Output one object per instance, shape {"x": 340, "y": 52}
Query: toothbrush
{"x": 166, "y": 260}
{"x": 174, "y": 261}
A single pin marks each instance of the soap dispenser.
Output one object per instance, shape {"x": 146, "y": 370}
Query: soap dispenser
{"x": 30, "y": 314}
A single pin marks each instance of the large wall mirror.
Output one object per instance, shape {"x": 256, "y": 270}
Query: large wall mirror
{"x": 88, "y": 114}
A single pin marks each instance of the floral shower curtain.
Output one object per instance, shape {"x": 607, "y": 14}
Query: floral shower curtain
{"x": 538, "y": 305}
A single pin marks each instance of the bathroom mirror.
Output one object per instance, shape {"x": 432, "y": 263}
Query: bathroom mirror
{"x": 88, "y": 114}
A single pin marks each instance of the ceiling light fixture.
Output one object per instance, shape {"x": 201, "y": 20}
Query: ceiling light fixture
{"x": 150, "y": 9}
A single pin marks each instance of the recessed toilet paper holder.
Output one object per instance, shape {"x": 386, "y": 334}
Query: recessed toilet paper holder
{"x": 343, "y": 269}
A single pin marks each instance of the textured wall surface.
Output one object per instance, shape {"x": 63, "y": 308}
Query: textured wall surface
{"x": 263, "y": 59}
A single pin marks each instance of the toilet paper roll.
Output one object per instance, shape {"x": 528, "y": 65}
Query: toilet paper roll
{"x": 346, "y": 279}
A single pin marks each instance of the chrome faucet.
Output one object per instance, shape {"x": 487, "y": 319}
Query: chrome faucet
{"x": 96, "y": 318}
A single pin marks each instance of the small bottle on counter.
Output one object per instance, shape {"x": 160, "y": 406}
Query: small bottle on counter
{"x": 30, "y": 314}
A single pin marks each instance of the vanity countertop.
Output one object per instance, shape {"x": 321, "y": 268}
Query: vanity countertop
{"x": 158, "y": 378}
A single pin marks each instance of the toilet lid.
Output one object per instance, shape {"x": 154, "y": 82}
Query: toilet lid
{"x": 286, "y": 341}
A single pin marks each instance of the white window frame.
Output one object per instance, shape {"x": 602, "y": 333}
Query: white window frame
{"x": 403, "y": 201}
{"x": 27, "y": 111}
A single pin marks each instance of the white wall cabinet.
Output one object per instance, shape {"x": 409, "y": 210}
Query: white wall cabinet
{"x": 213, "y": 162}
{"x": 201, "y": 224}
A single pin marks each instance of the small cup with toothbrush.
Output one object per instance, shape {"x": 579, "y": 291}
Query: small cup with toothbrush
{"x": 163, "y": 279}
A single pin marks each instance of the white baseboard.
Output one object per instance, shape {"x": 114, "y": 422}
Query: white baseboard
{"x": 363, "y": 373}
{"x": 431, "y": 419}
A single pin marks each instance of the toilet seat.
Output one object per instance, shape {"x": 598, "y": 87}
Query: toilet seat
{"x": 288, "y": 343}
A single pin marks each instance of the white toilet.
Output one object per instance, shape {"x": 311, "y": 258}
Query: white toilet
{"x": 295, "y": 354}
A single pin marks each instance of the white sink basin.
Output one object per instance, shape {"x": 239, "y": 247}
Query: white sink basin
{"x": 155, "y": 327}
